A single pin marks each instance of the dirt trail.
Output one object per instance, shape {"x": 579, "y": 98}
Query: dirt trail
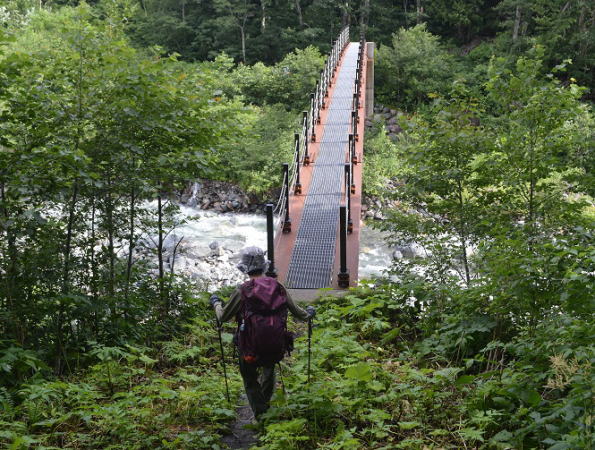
{"x": 240, "y": 437}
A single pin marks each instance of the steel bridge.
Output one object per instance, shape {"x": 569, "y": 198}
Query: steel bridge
{"x": 314, "y": 243}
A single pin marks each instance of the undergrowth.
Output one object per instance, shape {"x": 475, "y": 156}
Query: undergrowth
{"x": 169, "y": 396}
{"x": 387, "y": 373}
{"x": 380, "y": 380}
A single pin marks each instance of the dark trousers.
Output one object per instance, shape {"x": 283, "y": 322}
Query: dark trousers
{"x": 260, "y": 384}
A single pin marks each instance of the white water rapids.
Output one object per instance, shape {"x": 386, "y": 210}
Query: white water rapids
{"x": 233, "y": 231}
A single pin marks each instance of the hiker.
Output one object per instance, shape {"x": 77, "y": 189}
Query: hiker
{"x": 260, "y": 306}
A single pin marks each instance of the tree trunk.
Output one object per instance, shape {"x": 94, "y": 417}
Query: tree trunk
{"x": 263, "y": 17}
{"x": 68, "y": 243}
{"x": 463, "y": 231}
{"x": 419, "y": 11}
{"x": 365, "y": 13}
{"x": 11, "y": 270}
{"x": 109, "y": 217}
{"x": 517, "y": 23}
{"x": 160, "y": 255}
{"x": 243, "y": 37}
{"x": 94, "y": 271}
{"x": 59, "y": 347}
{"x": 129, "y": 262}
{"x": 345, "y": 16}
{"x": 298, "y": 9}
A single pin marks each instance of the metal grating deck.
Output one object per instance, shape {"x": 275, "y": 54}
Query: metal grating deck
{"x": 313, "y": 254}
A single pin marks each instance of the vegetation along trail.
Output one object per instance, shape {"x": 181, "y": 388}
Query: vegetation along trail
{"x": 479, "y": 174}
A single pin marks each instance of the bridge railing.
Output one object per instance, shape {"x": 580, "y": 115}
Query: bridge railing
{"x": 280, "y": 216}
{"x": 345, "y": 220}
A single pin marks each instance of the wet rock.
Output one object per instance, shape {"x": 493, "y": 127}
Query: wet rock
{"x": 397, "y": 255}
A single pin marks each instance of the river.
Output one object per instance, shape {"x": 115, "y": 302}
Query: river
{"x": 233, "y": 231}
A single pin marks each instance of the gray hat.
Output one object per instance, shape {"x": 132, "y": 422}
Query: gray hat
{"x": 252, "y": 259}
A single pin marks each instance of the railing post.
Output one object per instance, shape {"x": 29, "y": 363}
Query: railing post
{"x": 352, "y": 154}
{"x": 319, "y": 99}
{"x": 287, "y": 221}
{"x": 271, "y": 271}
{"x": 343, "y": 278}
{"x": 322, "y": 88}
{"x": 313, "y": 118}
{"x": 335, "y": 51}
{"x": 352, "y": 185}
{"x": 298, "y": 185}
{"x": 348, "y": 182}
{"x": 354, "y": 125}
{"x": 306, "y": 130}
{"x": 333, "y": 55}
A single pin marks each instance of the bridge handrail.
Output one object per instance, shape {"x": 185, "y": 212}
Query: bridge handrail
{"x": 309, "y": 121}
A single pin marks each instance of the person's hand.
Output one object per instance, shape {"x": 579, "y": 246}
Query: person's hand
{"x": 311, "y": 312}
{"x": 214, "y": 299}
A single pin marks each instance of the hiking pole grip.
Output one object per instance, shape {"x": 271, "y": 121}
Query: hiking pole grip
{"x": 223, "y": 359}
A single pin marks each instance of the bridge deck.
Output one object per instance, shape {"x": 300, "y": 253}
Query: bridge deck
{"x": 307, "y": 258}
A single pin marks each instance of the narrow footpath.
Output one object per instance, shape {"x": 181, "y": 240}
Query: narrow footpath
{"x": 242, "y": 435}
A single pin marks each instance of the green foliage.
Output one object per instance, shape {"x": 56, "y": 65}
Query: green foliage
{"x": 561, "y": 27}
{"x": 130, "y": 397}
{"x": 288, "y": 82}
{"x": 413, "y": 67}
{"x": 91, "y": 131}
{"x": 381, "y": 164}
{"x": 530, "y": 389}
{"x": 254, "y": 162}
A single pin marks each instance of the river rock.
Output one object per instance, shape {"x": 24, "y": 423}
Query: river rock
{"x": 397, "y": 255}
{"x": 196, "y": 252}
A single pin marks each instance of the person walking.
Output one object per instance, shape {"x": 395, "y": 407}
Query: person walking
{"x": 260, "y": 306}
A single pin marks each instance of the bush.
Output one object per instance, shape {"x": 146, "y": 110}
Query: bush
{"x": 381, "y": 162}
{"x": 288, "y": 82}
{"x": 415, "y": 66}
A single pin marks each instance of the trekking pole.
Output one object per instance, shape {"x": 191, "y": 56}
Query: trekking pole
{"x": 309, "y": 347}
{"x": 223, "y": 361}
{"x": 281, "y": 377}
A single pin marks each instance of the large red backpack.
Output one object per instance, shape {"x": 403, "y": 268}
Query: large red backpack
{"x": 262, "y": 334}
